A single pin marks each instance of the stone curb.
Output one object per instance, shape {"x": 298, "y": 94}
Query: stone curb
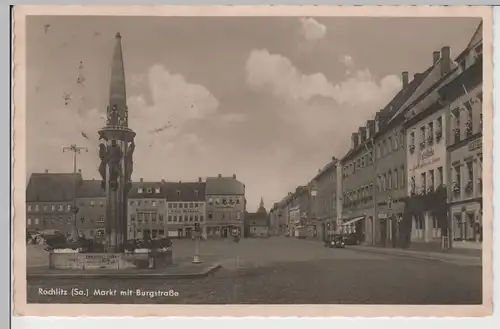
{"x": 424, "y": 257}
{"x": 191, "y": 275}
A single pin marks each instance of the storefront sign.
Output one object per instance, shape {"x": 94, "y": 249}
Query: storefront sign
{"x": 475, "y": 144}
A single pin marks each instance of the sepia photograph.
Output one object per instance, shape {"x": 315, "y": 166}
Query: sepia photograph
{"x": 226, "y": 157}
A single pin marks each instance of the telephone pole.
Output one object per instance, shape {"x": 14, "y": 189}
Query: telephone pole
{"x": 74, "y": 209}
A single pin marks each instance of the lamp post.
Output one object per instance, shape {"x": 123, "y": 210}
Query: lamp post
{"x": 74, "y": 209}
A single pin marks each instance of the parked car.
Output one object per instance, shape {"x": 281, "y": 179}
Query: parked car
{"x": 335, "y": 241}
{"x": 350, "y": 239}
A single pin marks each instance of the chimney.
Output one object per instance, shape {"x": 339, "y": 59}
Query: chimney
{"x": 404, "y": 77}
{"x": 220, "y": 175}
{"x": 46, "y": 171}
{"x": 435, "y": 57}
{"x": 142, "y": 180}
{"x": 354, "y": 140}
{"x": 445, "y": 60}
{"x": 199, "y": 179}
{"x": 234, "y": 176}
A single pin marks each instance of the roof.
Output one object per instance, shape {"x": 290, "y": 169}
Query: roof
{"x": 224, "y": 186}
{"x": 259, "y": 218}
{"x": 90, "y": 189}
{"x": 428, "y": 84}
{"x": 50, "y": 187}
{"x": 476, "y": 39}
{"x": 185, "y": 191}
{"x": 134, "y": 191}
{"x": 332, "y": 164}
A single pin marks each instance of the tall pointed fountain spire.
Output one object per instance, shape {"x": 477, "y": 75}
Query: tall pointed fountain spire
{"x": 116, "y": 153}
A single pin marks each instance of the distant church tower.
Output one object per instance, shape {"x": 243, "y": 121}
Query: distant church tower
{"x": 262, "y": 209}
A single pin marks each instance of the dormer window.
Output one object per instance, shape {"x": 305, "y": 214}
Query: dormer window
{"x": 139, "y": 190}
{"x": 196, "y": 192}
{"x": 178, "y": 192}
{"x": 149, "y": 190}
{"x": 157, "y": 190}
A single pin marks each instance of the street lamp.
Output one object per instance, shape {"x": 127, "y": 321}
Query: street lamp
{"x": 74, "y": 209}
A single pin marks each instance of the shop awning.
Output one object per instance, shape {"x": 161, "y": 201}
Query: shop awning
{"x": 353, "y": 220}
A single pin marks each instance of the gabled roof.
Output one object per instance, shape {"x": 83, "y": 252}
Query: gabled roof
{"x": 224, "y": 185}
{"x": 476, "y": 39}
{"x": 50, "y": 187}
{"x": 185, "y": 191}
{"x": 433, "y": 75}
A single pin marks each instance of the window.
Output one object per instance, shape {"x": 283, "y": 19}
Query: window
{"x": 202, "y": 218}
{"x": 210, "y": 201}
{"x": 396, "y": 179}
{"x": 431, "y": 180}
{"x": 210, "y": 215}
{"x": 190, "y": 218}
{"x": 37, "y": 221}
{"x": 153, "y": 217}
{"x": 412, "y": 138}
{"x": 422, "y": 136}
{"x": 196, "y": 192}
{"x": 195, "y": 218}
{"x": 439, "y": 176}
{"x": 174, "y": 205}
{"x": 29, "y": 207}
{"x": 45, "y": 208}
{"x": 389, "y": 180}
{"x": 412, "y": 184}
{"x": 191, "y": 205}
{"x": 153, "y": 203}
{"x": 170, "y": 206}
{"x": 390, "y": 144}
{"x": 384, "y": 182}
{"x": 196, "y": 205}
{"x": 457, "y": 184}
{"x": 101, "y": 204}
{"x": 170, "y": 218}
{"x": 82, "y": 219}
{"x": 237, "y": 201}
{"x": 423, "y": 182}
{"x": 140, "y": 190}
{"x": 161, "y": 217}
{"x": 101, "y": 219}
{"x": 402, "y": 181}
{"x": 384, "y": 148}
{"x": 175, "y": 219}
{"x": 238, "y": 215}
{"x": 181, "y": 205}
{"x": 468, "y": 123}
{"x": 53, "y": 207}
{"x": 430, "y": 135}
{"x": 29, "y": 221}
{"x": 68, "y": 207}
{"x": 68, "y": 220}
{"x": 178, "y": 192}
{"x": 456, "y": 129}
{"x": 149, "y": 190}
{"x": 157, "y": 190}
{"x": 132, "y": 217}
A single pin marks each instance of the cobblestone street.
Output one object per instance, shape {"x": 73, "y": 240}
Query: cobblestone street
{"x": 284, "y": 271}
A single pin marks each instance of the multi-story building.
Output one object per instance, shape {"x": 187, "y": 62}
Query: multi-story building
{"x": 226, "y": 205}
{"x": 91, "y": 202}
{"x": 49, "y": 197}
{"x": 186, "y": 206}
{"x": 463, "y": 99}
{"x": 357, "y": 184}
{"x": 147, "y": 210}
{"x": 324, "y": 199}
{"x": 299, "y": 208}
{"x": 425, "y": 124}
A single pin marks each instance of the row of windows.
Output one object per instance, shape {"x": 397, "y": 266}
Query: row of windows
{"x": 189, "y": 205}
{"x": 392, "y": 180}
{"x": 362, "y": 195}
{"x": 149, "y": 190}
{"x": 146, "y": 202}
{"x": 467, "y": 127}
{"x": 224, "y": 201}
{"x": 355, "y": 165}
{"x": 63, "y": 207}
{"x": 389, "y": 145}
{"x": 61, "y": 220}
{"x": 428, "y": 181}
{"x": 470, "y": 178}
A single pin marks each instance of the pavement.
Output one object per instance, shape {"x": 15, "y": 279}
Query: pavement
{"x": 285, "y": 271}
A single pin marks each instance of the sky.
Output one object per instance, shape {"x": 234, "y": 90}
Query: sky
{"x": 270, "y": 99}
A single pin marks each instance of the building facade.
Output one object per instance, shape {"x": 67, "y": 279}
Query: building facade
{"x": 226, "y": 205}
{"x": 91, "y": 217}
{"x": 427, "y": 158}
{"x": 463, "y": 97}
{"x": 147, "y": 210}
{"x": 324, "y": 199}
{"x": 186, "y": 206}
{"x": 257, "y": 224}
